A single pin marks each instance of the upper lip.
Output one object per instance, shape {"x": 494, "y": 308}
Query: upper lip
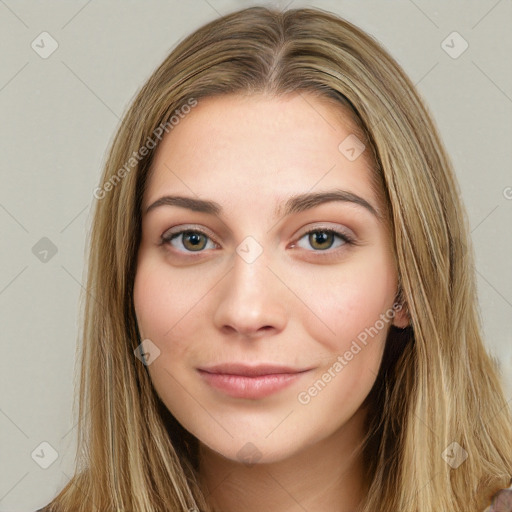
{"x": 250, "y": 370}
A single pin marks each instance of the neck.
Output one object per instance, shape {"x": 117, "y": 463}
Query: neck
{"x": 326, "y": 476}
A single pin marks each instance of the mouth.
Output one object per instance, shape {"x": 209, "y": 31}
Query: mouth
{"x": 250, "y": 382}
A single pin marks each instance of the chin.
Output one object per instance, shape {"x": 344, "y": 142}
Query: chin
{"x": 258, "y": 450}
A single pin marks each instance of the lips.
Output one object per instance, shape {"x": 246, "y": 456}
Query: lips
{"x": 250, "y": 371}
{"x": 250, "y": 382}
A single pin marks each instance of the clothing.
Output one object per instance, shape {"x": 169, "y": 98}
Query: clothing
{"x": 502, "y": 501}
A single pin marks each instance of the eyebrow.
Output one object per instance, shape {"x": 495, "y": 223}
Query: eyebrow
{"x": 295, "y": 204}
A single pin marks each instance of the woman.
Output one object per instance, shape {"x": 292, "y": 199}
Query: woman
{"x": 281, "y": 308}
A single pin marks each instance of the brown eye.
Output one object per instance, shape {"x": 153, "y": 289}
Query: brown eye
{"x": 324, "y": 239}
{"x": 188, "y": 241}
{"x": 194, "y": 241}
{"x": 321, "y": 239}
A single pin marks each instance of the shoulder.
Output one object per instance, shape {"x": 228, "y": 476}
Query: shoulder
{"x": 502, "y": 501}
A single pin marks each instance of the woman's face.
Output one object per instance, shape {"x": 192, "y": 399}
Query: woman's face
{"x": 230, "y": 277}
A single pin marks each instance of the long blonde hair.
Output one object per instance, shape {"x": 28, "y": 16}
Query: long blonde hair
{"x": 437, "y": 385}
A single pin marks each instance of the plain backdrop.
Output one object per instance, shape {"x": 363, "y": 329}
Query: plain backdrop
{"x": 60, "y": 111}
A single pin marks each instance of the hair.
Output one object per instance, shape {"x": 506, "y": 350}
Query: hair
{"x": 437, "y": 384}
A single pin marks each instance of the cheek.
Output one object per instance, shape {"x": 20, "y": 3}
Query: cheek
{"x": 163, "y": 303}
{"x": 166, "y": 309}
{"x": 352, "y": 302}
{"x": 170, "y": 310}
{"x": 358, "y": 313}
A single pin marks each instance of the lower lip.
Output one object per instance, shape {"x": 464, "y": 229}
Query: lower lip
{"x": 239, "y": 386}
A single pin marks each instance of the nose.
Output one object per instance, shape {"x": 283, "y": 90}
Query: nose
{"x": 251, "y": 300}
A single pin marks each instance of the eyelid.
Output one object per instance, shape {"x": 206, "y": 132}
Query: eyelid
{"x": 186, "y": 227}
{"x": 329, "y": 228}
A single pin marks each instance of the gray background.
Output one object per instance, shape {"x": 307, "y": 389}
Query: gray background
{"x": 59, "y": 115}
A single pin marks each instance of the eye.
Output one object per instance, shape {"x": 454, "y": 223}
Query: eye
{"x": 324, "y": 239}
{"x": 196, "y": 240}
{"x": 189, "y": 240}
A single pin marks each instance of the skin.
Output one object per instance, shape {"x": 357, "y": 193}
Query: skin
{"x": 300, "y": 303}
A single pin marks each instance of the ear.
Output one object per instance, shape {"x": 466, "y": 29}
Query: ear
{"x": 401, "y": 318}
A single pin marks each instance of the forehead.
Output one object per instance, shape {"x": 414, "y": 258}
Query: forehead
{"x": 262, "y": 144}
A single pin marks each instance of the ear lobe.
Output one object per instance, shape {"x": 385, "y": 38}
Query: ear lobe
{"x": 401, "y": 318}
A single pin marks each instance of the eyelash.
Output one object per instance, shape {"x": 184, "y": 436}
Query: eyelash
{"x": 166, "y": 238}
